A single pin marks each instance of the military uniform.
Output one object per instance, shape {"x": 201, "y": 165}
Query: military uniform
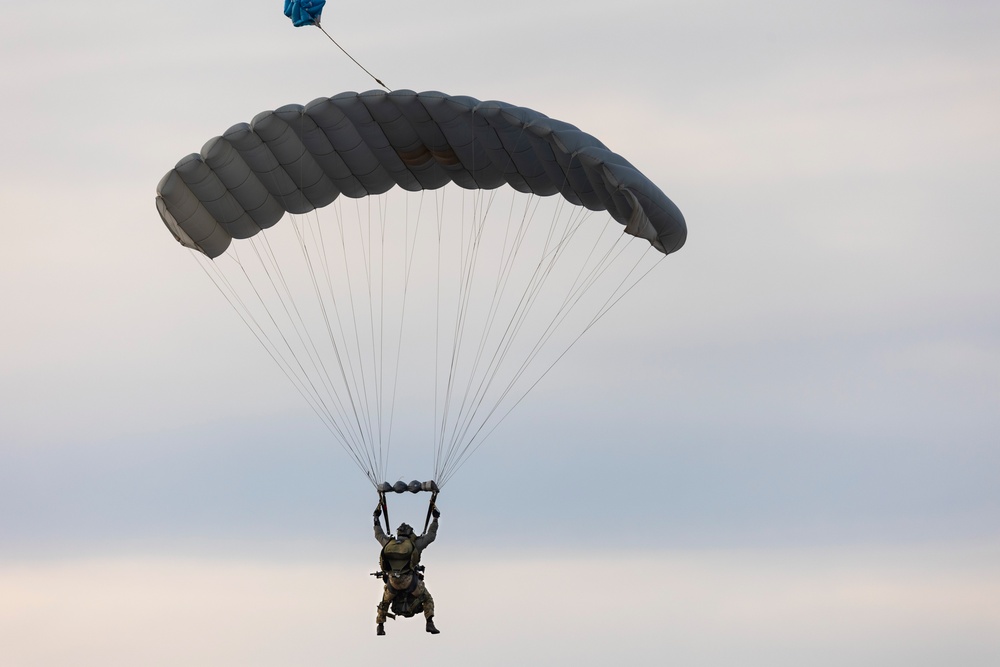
{"x": 399, "y": 560}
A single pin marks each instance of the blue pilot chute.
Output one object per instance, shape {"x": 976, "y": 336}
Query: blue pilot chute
{"x": 304, "y": 12}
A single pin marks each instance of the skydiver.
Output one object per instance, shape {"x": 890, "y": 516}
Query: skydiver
{"x": 399, "y": 559}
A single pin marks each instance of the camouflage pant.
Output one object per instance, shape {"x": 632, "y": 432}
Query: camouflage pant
{"x": 398, "y": 585}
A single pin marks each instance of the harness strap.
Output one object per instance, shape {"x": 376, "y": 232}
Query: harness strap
{"x": 385, "y": 511}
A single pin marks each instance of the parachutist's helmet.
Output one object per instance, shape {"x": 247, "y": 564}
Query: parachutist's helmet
{"x": 404, "y": 530}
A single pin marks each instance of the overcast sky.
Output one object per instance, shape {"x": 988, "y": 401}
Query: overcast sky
{"x": 782, "y": 449}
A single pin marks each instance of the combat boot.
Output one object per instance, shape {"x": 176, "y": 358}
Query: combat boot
{"x": 430, "y": 626}
{"x": 380, "y": 629}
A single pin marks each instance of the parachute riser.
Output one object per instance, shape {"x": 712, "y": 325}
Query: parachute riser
{"x": 430, "y": 510}
{"x": 385, "y": 511}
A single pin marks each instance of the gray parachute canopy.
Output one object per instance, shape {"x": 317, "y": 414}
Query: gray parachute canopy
{"x": 297, "y": 158}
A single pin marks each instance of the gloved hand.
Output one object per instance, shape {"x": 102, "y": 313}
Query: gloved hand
{"x": 435, "y": 512}
{"x": 377, "y": 513}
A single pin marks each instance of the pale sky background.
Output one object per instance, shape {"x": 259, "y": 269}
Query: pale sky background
{"x": 781, "y": 450}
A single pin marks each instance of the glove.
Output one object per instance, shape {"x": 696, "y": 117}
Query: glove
{"x": 435, "y": 512}
{"x": 377, "y": 513}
